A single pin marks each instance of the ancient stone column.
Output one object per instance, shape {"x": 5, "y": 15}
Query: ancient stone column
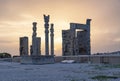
{"x": 34, "y": 40}
{"x": 46, "y": 25}
{"x": 23, "y": 46}
{"x": 52, "y": 39}
{"x": 35, "y": 49}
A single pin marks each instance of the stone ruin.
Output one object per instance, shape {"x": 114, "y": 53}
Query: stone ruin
{"x": 76, "y": 40}
{"x": 23, "y": 46}
{"x": 35, "y": 56}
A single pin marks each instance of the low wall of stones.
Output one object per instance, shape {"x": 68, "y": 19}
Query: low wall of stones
{"x": 16, "y": 59}
{"x": 6, "y": 59}
{"x": 78, "y": 59}
{"x": 105, "y": 59}
{"x": 95, "y": 59}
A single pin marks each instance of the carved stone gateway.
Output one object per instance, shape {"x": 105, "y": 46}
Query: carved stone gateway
{"x": 76, "y": 40}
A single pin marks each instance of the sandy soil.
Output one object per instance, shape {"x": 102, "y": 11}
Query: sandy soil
{"x": 10, "y": 71}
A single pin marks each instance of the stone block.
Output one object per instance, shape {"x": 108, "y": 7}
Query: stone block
{"x": 23, "y": 46}
{"x": 37, "y": 60}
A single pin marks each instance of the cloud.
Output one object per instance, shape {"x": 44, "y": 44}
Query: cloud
{"x": 5, "y": 41}
{"x": 117, "y": 40}
{"x": 16, "y": 19}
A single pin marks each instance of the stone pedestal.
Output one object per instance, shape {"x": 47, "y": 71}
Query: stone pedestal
{"x": 37, "y": 60}
{"x": 36, "y": 46}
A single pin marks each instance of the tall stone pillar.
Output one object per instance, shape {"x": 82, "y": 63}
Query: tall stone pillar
{"x": 88, "y": 36}
{"x": 46, "y": 25}
{"x": 23, "y": 46}
{"x": 34, "y": 40}
{"x": 52, "y": 39}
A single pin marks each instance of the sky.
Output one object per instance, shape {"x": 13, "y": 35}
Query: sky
{"x": 17, "y": 16}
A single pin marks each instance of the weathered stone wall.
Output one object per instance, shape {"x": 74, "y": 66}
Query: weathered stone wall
{"x": 95, "y": 59}
{"x": 66, "y": 44}
{"x": 82, "y": 43}
{"x": 76, "y": 42}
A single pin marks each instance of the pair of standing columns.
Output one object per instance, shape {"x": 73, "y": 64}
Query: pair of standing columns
{"x": 46, "y": 25}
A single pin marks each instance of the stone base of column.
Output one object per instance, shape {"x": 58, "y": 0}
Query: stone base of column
{"x": 37, "y": 60}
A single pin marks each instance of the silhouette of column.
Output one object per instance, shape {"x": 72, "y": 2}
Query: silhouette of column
{"x": 34, "y": 39}
{"x": 46, "y": 25}
{"x": 35, "y": 49}
{"x": 52, "y": 39}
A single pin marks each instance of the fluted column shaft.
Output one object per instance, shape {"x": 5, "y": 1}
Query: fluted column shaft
{"x": 52, "y": 39}
{"x": 46, "y": 25}
{"x": 34, "y": 41}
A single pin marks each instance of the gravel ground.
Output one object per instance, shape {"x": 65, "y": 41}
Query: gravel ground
{"x": 10, "y": 71}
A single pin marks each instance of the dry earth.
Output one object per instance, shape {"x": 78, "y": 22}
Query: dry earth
{"x": 10, "y": 71}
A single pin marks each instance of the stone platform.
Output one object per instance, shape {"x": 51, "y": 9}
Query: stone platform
{"x": 37, "y": 60}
